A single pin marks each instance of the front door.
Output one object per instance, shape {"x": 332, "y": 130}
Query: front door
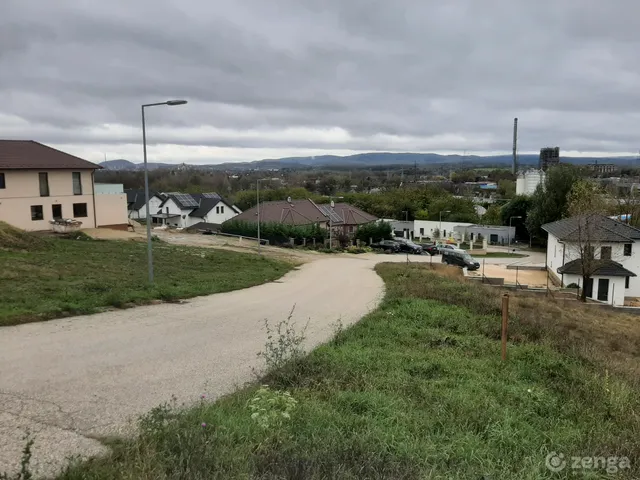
{"x": 603, "y": 289}
{"x": 56, "y": 211}
{"x": 588, "y": 286}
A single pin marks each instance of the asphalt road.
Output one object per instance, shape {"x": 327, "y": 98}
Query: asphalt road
{"x": 68, "y": 381}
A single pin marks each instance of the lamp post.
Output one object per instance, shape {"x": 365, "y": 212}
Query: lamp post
{"x": 443, "y": 211}
{"x": 511, "y": 218}
{"x": 258, "y": 209}
{"x": 170, "y": 103}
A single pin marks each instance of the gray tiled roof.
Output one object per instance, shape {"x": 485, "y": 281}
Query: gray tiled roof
{"x": 605, "y": 268}
{"x": 597, "y": 228}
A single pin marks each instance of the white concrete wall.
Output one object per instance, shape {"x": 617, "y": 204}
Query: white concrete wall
{"x": 425, "y": 228}
{"x": 111, "y": 209}
{"x": 108, "y": 188}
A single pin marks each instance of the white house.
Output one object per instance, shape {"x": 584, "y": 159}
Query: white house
{"x": 186, "y": 209}
{"x": 213, "y": 210}
{"x": 181, "y": 209}
{"x": 615, "y": 245}
{"x": 136, "y": 205}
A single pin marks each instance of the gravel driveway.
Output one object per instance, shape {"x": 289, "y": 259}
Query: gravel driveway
{"x": 70, "y": 379}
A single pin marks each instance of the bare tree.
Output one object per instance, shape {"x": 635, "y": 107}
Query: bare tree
{"x": 587, "y": 204}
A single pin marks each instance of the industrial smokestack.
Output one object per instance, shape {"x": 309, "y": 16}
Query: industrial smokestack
{"x": 514, "y": 168}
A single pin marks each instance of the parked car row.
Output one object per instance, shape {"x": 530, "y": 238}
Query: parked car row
{"x": 451, "y": 255}
{"x": 403, "y": 245}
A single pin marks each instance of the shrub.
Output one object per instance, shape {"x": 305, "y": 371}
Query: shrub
{"x": 276, "y": 233}
{"x": 354, "y": 249}
{"x": 376, "y": 231}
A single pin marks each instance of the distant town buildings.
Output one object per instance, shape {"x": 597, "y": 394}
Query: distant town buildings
{"x": 602, "y": 168}
{"x": 549, "y": 157}
{"x": 528, "y": 181}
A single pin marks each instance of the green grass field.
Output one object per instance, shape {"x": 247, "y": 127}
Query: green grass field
{"x": 417, "y": 390}
{"x": 42, "y": 279}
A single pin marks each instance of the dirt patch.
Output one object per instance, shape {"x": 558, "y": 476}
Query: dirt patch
{"x": 111, "y": 234}
{"x": 532, "y": 278}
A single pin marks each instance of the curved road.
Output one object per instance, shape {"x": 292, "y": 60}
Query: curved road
{"x": 69, "y": 380}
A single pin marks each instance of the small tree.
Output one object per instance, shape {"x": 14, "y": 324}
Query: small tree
{"x": 586, "y": 202}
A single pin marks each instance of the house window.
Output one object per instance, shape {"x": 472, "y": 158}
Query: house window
{"x": 217, "y": 209}
{"x": 2, "y": 184}
{"x": 627, "y": 249}
{"x": 591, "y": 252}
{"x": 44, "y": 184}
{"x": 605, "y": 253}
{"x": 626, "y": 282}
{"x": 79, "y": 210}
{"x": 56, "y": 211}
{"x": 36, "y": 212}
{"x": 422, "y": 231}
{"x": 221, "y": 208}
{"x": 77, "y": 183}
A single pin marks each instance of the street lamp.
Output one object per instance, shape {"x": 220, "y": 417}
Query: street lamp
{"x": 170, "y": 103}
{"x": 443, "y": 211}
{"x": 258, "y": 208}
{"x": 511, "y": 218}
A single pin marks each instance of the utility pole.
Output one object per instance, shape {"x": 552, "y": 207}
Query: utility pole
{"x": 514, "y": 168}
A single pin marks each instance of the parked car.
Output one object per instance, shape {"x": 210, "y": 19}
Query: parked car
{"x": 430, "y": 248}
{"x": 446, "y": 246}
{"x": 408, "y": 246}
{"x": 460, "y": 258}
{"x": 387, "y": 246}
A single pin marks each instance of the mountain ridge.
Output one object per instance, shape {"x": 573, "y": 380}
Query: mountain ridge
{"x": 373, "y": 159}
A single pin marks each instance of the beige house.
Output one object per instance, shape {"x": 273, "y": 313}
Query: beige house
{"x": 39, "y": 184}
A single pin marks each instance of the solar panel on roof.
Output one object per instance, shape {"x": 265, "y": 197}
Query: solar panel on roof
{"x": 330, "y": 213}
{"x": 185, "y": 199}
{"x": 210, "y": 195}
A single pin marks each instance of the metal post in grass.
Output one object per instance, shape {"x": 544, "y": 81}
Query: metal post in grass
{"x": 483, "y": 269}
{"x": 505, "y": 320}
{"x": 170, "y": 103}
{"x": 517, "y": 276}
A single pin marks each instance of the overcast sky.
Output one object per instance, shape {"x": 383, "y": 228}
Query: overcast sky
{"x": 276, "y": 78}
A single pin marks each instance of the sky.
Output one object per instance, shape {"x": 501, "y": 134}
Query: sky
{"x": 281, "y": 78}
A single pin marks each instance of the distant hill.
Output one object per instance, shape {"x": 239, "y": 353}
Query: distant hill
{"x": 363, "y": 160}
{"x": 122, "y": 164}
{"x": 119, "y": 164}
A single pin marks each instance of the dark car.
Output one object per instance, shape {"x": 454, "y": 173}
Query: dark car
{"x": 430, "y": 248}
{"x": 408, "y": 246}
{"x": 387, "y": 246}
{"x": 459, "y": 258}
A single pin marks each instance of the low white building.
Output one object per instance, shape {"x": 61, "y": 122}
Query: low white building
{"x": 435, "y": 229}
{"x": 615, "y": 246}
{"x": 528, "y": 181}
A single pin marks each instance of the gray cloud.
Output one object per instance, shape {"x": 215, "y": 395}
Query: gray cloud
{"x": 329, "y": 76}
